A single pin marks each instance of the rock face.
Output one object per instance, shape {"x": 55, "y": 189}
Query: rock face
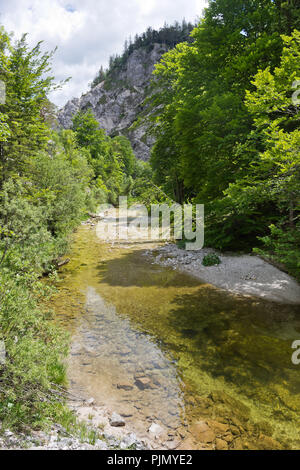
{"x": 117, "y": 102}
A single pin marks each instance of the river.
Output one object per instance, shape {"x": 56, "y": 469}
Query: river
{"x": 155, "y": 345}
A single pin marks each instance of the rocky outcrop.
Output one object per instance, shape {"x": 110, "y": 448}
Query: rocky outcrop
{"x": 117, "y": 102}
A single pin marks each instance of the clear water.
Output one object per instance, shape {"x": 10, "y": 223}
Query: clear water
{"x": 157, "y": 345}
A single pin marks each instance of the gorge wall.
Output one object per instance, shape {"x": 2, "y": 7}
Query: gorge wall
{"x": 117, "y": 101}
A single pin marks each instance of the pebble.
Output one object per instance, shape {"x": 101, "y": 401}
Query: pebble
{"x": 116, "y": 420}
{"x": 143, "y": 382}
{"x": 221, "y": 445}
{"x": 91, "y": 401}
{"x": 155, "y": 429}
{"x": 125, "y": 386}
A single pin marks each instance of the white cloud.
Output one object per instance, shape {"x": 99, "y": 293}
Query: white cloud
{"x": 88, "y": 32}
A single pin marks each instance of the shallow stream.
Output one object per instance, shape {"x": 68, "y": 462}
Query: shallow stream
{"x": 158, "y": 346}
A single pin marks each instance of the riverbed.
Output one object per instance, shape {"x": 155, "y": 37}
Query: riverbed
{"x": 210, "y": 369}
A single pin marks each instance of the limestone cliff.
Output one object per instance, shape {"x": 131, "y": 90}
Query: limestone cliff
{"x": 117, "y": 101}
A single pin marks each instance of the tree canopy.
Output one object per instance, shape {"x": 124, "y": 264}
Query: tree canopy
{"x": 224, "y": 120}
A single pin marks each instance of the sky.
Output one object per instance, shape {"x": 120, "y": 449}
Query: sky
{"x": 88, "y": 32}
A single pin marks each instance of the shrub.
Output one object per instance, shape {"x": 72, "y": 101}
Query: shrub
{"x": 34, "y": 348}
{"x": 211, "y": 260}
{"x": 283, "y": 246}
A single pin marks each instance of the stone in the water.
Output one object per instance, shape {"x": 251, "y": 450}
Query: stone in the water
{"x": 172, "y": 445}
{"x": 143, "y": 382}
{"x": 187, "y": 444}
{"x": 235, "y": 430}
{"x": 125, "y": 386}
{"x": 228, "y": 437}
{"x": 238, "y": 444}
{"x": 116, "y": 420}
{"x": 199, "y": 427}
{"x": 207, "y": 436}
{"x": 268, "y": 443}
{"x": 221, "y": 445}
{"x": 219, "y": 428}
{"x": 91, "y": 401}
{"x": 124, "y": 351}
{"x": 127, "y": 412}
{"x": 202, "y": 432}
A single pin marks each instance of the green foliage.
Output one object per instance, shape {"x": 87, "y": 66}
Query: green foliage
{"x": 100, "y": 77}
{"x": 227, "y": 131}
{"x": 46, "y": 187}
{"x": 112, "y": 159}
{"x": 27, "y": 80}
{"x": 48, "y": 182}
{"x": 4, "y": 46}
{"x": 62, "y": 187}
{"x": 181, "y": 244}
{"x": 211, "y": 260}
{"x": 273, "y": 179}
{"x": 36, "y": 217}
{"x": 143, "y": 188}
{"x": 34, "y": 350}
{"x": 199, "y": 93}
{"x": 122, "y": 148}
{"x": 283, "y": 246}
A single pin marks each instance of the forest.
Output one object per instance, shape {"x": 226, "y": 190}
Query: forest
{"x": 226, "y": 121}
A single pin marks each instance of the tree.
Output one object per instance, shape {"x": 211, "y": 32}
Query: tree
{"x": 208, "y": 79}
{"x": 112, "y": 159}
{"x": 275, "y": 172}
{"x": 274, "y": 176}
{"x": 4, "y": 128}
{"x": 27, "y": 83}
{"x": 122, "y": 147}
{"x": 167, "y": 35}
{"x": 208, "y": 137}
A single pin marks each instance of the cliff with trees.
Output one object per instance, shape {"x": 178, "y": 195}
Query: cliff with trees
{"x": 117, "y": 95}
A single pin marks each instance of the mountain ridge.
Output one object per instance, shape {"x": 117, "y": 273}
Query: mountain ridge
{"x": 117, "y": 95}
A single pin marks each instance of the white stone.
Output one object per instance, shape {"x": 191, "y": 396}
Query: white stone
{"x": 155, "y": 429}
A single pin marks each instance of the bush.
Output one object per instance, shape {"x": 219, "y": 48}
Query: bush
{"x": 283, "y": 246}
{"x": 211, "y": 260}
{"x": 34, "y": 348}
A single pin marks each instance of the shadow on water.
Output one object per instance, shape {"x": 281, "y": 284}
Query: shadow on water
{"x": 131, "y": 269}
{"x": 245, "y": 343}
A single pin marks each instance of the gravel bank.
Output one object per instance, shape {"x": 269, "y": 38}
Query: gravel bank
{"x": 246, "y": 274}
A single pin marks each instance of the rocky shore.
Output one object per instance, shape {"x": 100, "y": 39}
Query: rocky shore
{"x": 104, "y": 431}
{"x": 241, "y": 274}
